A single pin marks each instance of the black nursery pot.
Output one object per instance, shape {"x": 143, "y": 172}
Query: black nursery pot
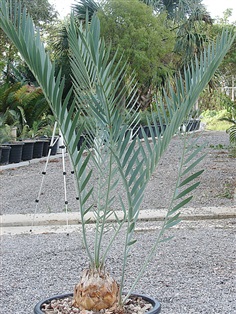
{"x": 54, "y": 147}
{"x": 137, "y": 131}
{"x": 192, "y": 125}
{"x": 5, "y": 155}
{"x": 80, "y": 143}
{"x": 16, "y": 152}
{"x": 82, "y": 139}
{"x": 27, "y": 151}
{"x": 46, "y": 147}
{"x": 38, "y": 149}
{"x": 156, "y": 306}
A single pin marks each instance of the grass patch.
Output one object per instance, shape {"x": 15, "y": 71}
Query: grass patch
{"x": 211, "y": 119}
{"x": 228, "y": 191}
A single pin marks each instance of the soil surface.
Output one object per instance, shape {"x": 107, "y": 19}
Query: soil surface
{"x": 20, "y": 186}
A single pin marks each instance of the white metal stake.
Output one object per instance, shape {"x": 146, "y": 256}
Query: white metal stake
{"x": 52, "y": 143}
{"x": 64, "y": 178}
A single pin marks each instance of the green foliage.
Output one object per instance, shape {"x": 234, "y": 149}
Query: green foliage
{"x": 41, "y": 11}
{"x": 141, "y": 36}
{"x": 215, "y": 100}
{"x": 24, "y": 105}
{"x": 44, "y": 16}
{"x": 190, "y": 22}
{"x": 5, "y": 130}
{"x": 231, "y": 110}
{"x": 232, "y": 151}
{"x": 228, "y": 191}
{"x": 228, "y": 65}
{"x": 97, "y": 77}
{"x": 42, "y": 127}
{"x": 85, "y": 7}
{"x": 213, "y": 120}
{"x": 169, "y": 6}
{"x": 224, "y": 20}
{"x": 232, "y": 133}
{"x": 218, "y": 119}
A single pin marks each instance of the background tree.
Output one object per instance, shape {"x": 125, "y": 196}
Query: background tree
{"x": 192, "y": 21}
{"x": 169, "y": 6}
{"x": 224, "y": 21}
{"x": 220, "y": 95}
{"x": 22, "y": 104}
{"x": 228, "y": 66}
{"x": 59, "y": 49}
{"x": 83, "y": 7}
{"x": 144, "y": 39}
{"x": 44, "y": 15}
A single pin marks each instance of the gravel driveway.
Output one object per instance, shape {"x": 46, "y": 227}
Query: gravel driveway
{"x": 193, "y": 273}
{"x": 20, "y": 186}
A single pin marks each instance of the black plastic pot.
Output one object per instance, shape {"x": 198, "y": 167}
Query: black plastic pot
{"x": 46, "y": 147}
{"x": 15, "y": 152}
{"x": 160, "y": 130}
{"x": 5, "y": 155}
{"x": 137, "y": 131}
{"x": 27, "y": 151}
{"x": 82, "y": 139}
{"x": 54, "y": 147}
{"x": 156, "y": 306}
{"x": 191, "y": 125}
{"x": 38, "y": 149}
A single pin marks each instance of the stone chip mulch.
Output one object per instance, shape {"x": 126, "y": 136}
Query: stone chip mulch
{"x": 20, "y": 186}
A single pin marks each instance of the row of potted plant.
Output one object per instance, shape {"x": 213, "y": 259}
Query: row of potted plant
{"x": 188, "y": 126}
{"x": 141, "y": 122}
{"x": 17, "y": 151}
{"x": 149, "y": 121}
{"x": 21, "y": 143}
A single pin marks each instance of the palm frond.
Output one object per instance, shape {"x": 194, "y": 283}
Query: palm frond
{"x": 232, "y": 134}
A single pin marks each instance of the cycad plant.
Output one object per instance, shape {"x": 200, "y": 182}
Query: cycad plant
{"x": 115, "y": 172}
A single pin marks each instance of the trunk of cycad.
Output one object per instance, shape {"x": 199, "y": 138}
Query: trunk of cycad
{"x": 96, "y": 291}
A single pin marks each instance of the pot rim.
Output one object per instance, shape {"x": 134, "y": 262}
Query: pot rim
{"x": 5, "y": 146}
{"x": 156, "y": 306}
{"x": 16, "y": 143}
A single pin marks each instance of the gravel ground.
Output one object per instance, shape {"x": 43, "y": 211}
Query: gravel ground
{"x": 20, "y": 186}
{"x": 193, "y": 273}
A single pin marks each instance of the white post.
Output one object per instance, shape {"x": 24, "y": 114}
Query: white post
{"x": 232, "y": 98}
{"x": 14, "y": 133}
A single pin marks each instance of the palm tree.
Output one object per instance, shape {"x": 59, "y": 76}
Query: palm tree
{"x": 60, "y": 44}
{"x": 114, "y": 159}
{"x": 164, "y": 5}
{"x": 188, "y": 20}
{"x": 83, "y": 8}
